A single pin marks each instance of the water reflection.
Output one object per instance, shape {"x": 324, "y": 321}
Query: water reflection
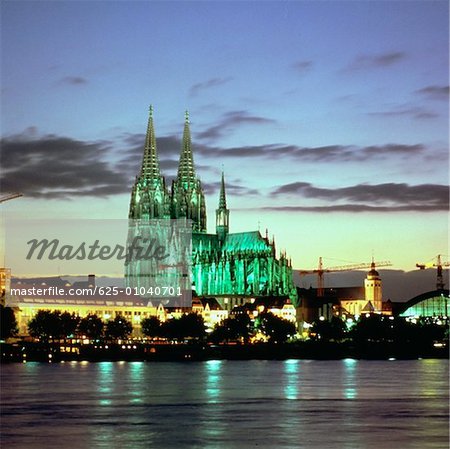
{"x": 213, "y": 387}
{"x": 226, "y": 404}
{"x": 213, "y": 380}
{"x": 136, "y": 370}
{"x": 350, "y": 391}
{"x": 291, "y": 378}
{"x": 104, "y": 393}
{"x": 105, "y": 381}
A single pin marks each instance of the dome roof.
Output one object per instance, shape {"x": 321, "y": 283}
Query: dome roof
{"x": 372, "y": 272}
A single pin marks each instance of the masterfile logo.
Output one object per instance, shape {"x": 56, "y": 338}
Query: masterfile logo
{"x": 152, "y": 257}
{"x": 139, "y": 249}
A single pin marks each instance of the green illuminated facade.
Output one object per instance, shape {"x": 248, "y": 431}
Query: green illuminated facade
{"x": 224, "y": 264}
{"x": 431, "y": 304}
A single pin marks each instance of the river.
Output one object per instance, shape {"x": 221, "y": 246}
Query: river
{"x": 226, "y": 404}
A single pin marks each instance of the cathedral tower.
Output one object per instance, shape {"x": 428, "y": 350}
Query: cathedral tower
{"x": 222, "y": 214}
{"x": 149, "y": 197}
{"x": 372, "y": 287}
{"x": 188, "y": 199}
{"x": 232, "y": 266}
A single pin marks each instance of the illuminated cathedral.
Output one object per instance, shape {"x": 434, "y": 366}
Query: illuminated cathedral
{"x": 232, "y": 267}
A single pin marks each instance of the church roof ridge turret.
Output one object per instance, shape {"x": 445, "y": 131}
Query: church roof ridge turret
{"x": 222, "y": 196}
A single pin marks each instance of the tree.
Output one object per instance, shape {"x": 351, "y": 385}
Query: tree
{"x": 403, "y": 331}
{"x": 219, "y": 334}
{"x": 236, "y": 327}
{"x": 372, "y": 328}
{"x": 193, "y": 325}
{"x": 91, "y": 326}
{"x": 118, "y": 328}
{"x": 189, "y": 325}
{"x": 277, "y": 329}
{"x": 46, "y": 325}
{"x": 240, "y": 324}
{"x": 430, "y": 331}
{"x": 332, "y": 330}
{"x": 151, "y": 327}
{"x": 69, "y": 324}
{"x": 8, "y": 323}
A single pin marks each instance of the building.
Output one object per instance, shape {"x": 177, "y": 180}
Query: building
{"x": 5, "y": 282}
{"x": 345, "y": 301}
{"x": 372, "y": 299}
{"x": 434, "y": 304}
{"x": 228, "y": 269}
{"x": 232, "y": 267}
{"x": 372, "y": 287}
{"x": 52, "y": 294}
{"x": 210, "y": 310}
{"x": 286, "y": 311}
{"x": 80, "y": 298}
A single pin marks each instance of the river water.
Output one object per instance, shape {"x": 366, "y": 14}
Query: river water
{"x": 226, "y": 404}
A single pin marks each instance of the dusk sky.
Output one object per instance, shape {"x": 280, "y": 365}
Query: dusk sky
{"x": 329, "y": 119}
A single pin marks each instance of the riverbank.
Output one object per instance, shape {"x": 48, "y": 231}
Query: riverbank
{"x": 314, "y": 350}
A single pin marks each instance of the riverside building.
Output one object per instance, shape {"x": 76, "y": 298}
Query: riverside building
{"x": 231, "y": 267}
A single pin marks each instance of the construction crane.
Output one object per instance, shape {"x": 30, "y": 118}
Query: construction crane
{"x": 9, "y": 196}
{"x": 436, "y": 263}
{"x": 357, "y": 266}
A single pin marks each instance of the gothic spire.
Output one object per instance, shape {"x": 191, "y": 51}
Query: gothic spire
{"x": 186, "y": 171}
{"x": 150, "y": 163}
{"x": 222, "y": 197}
{"x": 222, "y": 213}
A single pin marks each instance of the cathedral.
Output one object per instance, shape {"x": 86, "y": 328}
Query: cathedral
{"x": 231, "y": 267}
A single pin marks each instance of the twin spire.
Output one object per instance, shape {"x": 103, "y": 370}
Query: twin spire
{"x": 186, "y": 198}
{"x": 150, "y": 163}
{"x": 186, "y": 170}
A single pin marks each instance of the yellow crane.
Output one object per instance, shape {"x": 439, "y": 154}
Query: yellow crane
{"x": 321, "y": 270}
{"x": 9, "y": 196}
{"x": 436, "y": 262}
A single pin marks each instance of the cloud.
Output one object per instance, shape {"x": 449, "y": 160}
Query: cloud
{"x": 387, "y": 196}
{"x": 302, "y": 66}
{"x": 168, "y": 165}
{"x": 231, "y": 120}
{"x": 390, "y": 149}
{"x": 329, "y": 153}
{"x": 73, "y": 80}
{"x": 413, "y": 112}
{"x": 53, "y": 166}
{"x": 364, "y": 62}
{"x": 212, "y": 82}
{"x": 59, "y": 167}
{"x": 388, "y": 58}
{"x": 435, "y": 92}
{"x": 353, "y": 208}
{"x": 169, "y": 148}
{"x": 234, "y": 189}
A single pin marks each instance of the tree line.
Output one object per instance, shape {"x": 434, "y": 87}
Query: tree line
{"x": 55, "y": 325}
{"x": 379, "y": 328}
